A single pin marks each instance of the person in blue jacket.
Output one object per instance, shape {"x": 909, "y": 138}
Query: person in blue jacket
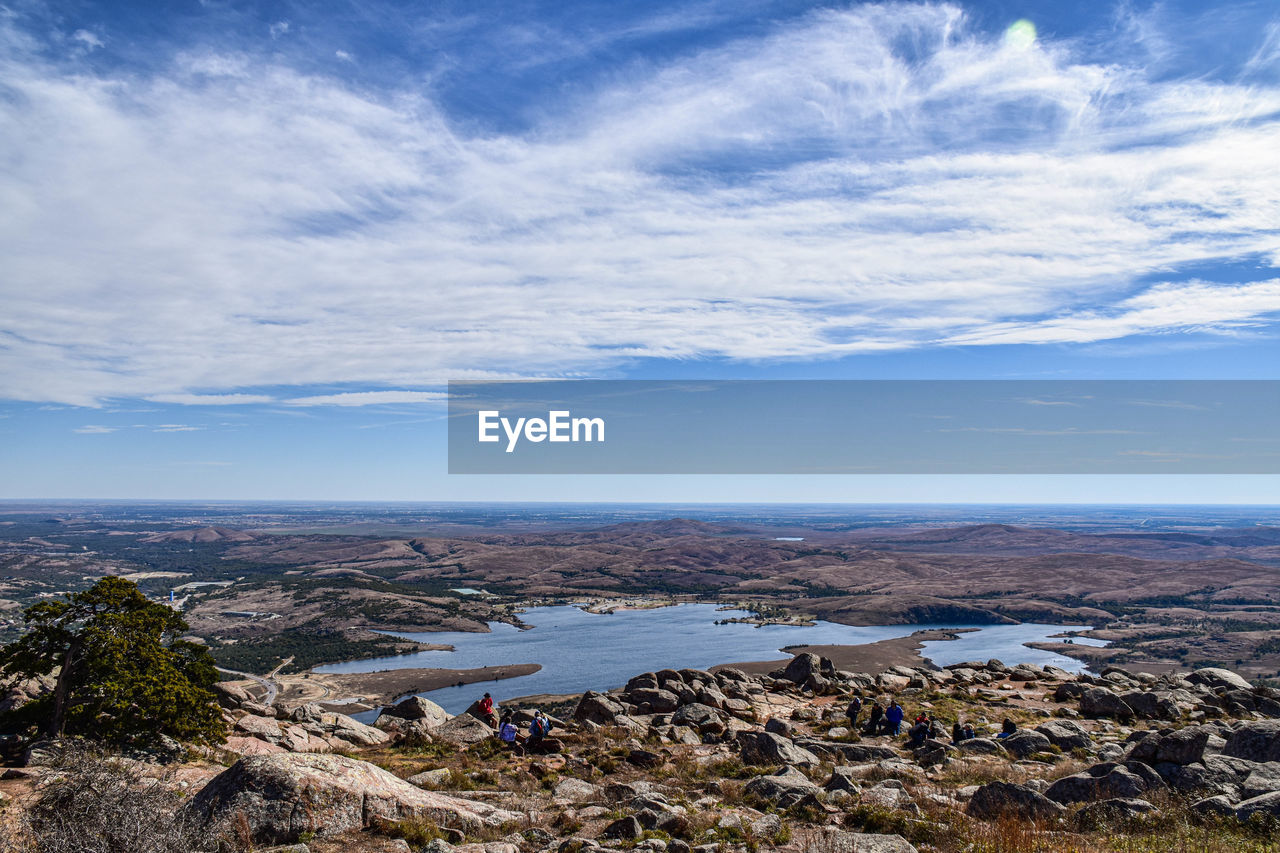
{"x": 893, "y": 718}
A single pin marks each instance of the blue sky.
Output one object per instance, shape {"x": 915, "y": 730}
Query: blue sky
{"x": 246, "y": 244}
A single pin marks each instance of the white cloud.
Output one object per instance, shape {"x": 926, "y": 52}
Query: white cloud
{"x": 344, "y": 56}
{"x": 278, "y": 29}
{"x": 94, "y": 429}
{"x": 211, "y": 399}
{"x": 369, "y": 398}
{"x": 807, "y": 194}
{"x": 176, "y": 428}
{"x": 88, "y": 39}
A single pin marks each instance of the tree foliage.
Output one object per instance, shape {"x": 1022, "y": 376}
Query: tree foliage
{"x": 123, "y": 675}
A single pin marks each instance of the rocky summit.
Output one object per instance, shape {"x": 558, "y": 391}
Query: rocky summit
{"x": 696, "y": 760}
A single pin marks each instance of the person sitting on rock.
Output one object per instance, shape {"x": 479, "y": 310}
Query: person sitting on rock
{"x": 957, "y": 732}
{"x": 893, "y": 718}
{"x": 969, "y": 733}
{"x": 1007, "y": 728}
{"x": 918, "y": 733}
{"x": 509, "y": 735}
{"x": 486, "y": 709}
{"x": 539, "y": 728}
{"x": 852, "y": 712}
{"x": 874, "y": 716}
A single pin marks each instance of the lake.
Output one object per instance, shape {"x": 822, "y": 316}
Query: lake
{"x": 581, "y": 651}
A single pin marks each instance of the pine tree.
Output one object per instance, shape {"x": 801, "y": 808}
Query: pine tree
{"x": 123, "y": 674}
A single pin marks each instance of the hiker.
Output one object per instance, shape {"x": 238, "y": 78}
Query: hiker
{"x": 539, "y": 728}
{"x": 509, "y": 735}
{"x": 1007, "y": 728}
{"x": 969, "y": 733}
{"x": 486, "y": 709}
{"x": 873, "y": 722}
{"x": 893, "y": 718}
{"x": 919, "y": 732}
{"x": 957, "y": 733}
{"x": 852, "y": 712}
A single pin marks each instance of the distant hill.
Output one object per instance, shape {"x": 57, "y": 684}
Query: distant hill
{"x": 202, "y": 534}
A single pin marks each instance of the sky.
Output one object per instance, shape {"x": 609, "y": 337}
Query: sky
{"x": 245, "y": 245}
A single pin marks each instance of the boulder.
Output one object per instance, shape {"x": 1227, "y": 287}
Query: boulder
{"x": 833, "y": 840}
{"x": 598, "y": 708}
{"x": 354, "y": 731}
{"x": 783, "y": 789}
{"x": 1025, "y": 742}
{"x": 229, "y": 695}
{"x": 264, "y": 728}
{"x": 1216, "y": 678}
{"x": 1101, "y": 702}
{"x": 1214, "y": 776}
{"x": 1105, "y": 781}
{"x": 654, "y": 701}
{"x": 702, "y": 718}
{"x": 1006, "y": 799}
{"x": 981, "y": 746}
{"x": 803, "y": 666}
{"x": 763, "y": 748}
{"x": 276, "y": 798}
{"x": 1256, "y": 741}
{"x": 1115, "y": 812}
{"x": 463, "y": 730}
{"x": 1265, "y": 804}
{"x": 1262, "y": 779}
{"x": 624, "y": 829}
{"x": 1066, "y": 734}
{"x": 417, "y": 708}
{"x": 1151, "y": 705}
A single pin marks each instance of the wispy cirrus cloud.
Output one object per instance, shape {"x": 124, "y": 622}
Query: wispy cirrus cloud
{"x": 369, "y": 398}
{"x": 876, "y": 178}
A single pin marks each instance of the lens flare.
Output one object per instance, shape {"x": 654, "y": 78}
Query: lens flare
{"x": 1020, "y": 35}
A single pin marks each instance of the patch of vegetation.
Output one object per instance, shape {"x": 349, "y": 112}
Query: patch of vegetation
{"x": 309, "y": 647}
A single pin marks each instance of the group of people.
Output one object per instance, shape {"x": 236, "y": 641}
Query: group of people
{"x": 881, "y": 721}
{"x": 888, "y": 721}
{"x": 509, "y": 733}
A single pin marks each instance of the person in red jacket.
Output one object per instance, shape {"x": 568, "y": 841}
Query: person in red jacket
{"x": 486, "y": 708}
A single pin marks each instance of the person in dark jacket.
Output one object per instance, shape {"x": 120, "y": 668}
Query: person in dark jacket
{"x": 957, "y": 732}
{"x": 852, "y": 712}
{"x": 873, "y": 719}
{"x": 1008, "y": 728}
{"x": 918, "y": 733}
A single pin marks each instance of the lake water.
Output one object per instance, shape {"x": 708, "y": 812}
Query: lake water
{"x": 581, "y": 651}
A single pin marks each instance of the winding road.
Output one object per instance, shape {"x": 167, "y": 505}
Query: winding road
{"x": 268, "y": 681}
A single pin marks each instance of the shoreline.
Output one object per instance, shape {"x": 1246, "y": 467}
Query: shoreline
{"x": 867, "y": 657}
{"x": 348, "y": 692}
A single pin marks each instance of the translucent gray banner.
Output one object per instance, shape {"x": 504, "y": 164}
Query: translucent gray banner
{"x": 864, "y": 427}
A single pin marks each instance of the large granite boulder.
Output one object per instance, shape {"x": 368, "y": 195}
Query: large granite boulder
{"x": 598, "y": 708}
{"x": 1000, "y": 799}
{"x": 1183, "y": 746}
{"x": 701, "y": 718}
{"x": 1104, "y": 782}
{"x": 1101, "y": 702}
{"x": 1066, "y": 734}
{"x": 417, "y": 708}
{"x": 764, "y": 748}
{"x": 784, "y": 788}
{"x": 1256, "y": 741}
{"x": 276, "y": 798}
{"x": 1216, "y": 678}
{"x": 833, "y": 840}
{"x": 463, "y": 730}
{"x": 1024, "y": 743}
{"x": 803, "y": 666}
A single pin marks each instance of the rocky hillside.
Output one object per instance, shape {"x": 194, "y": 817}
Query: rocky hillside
{"x": 691, "y": 760}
